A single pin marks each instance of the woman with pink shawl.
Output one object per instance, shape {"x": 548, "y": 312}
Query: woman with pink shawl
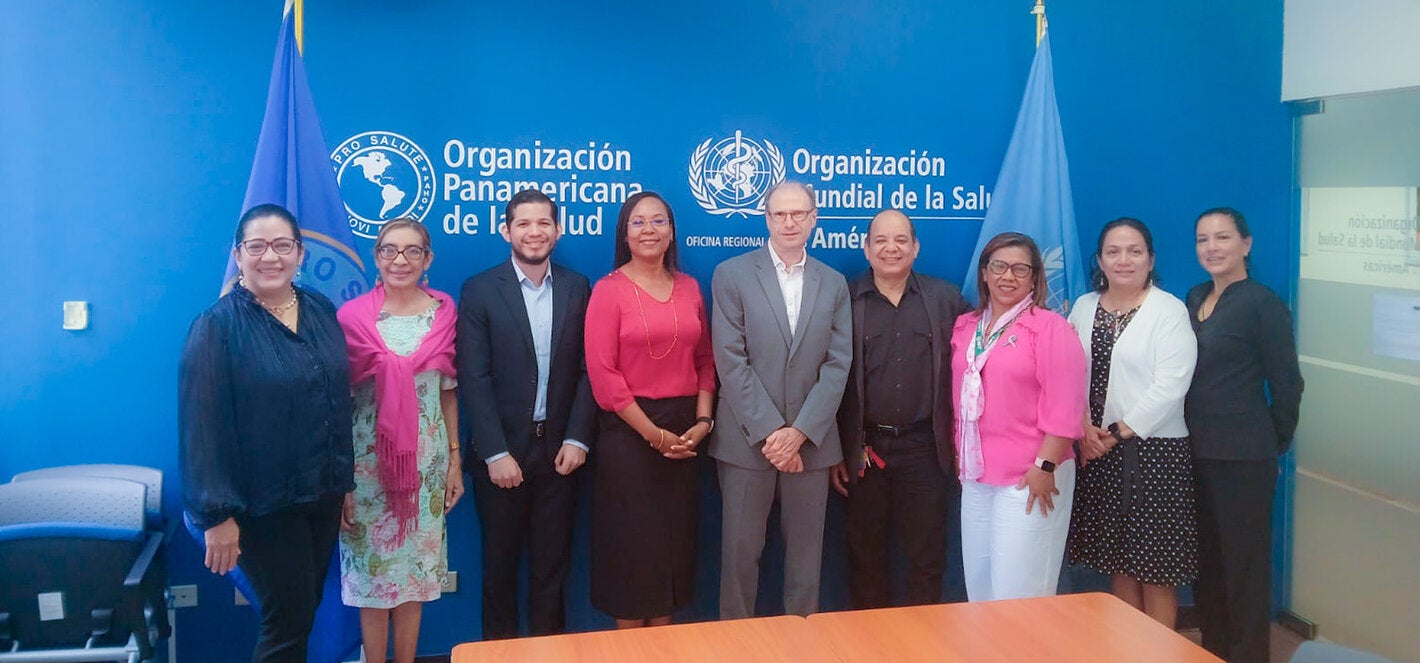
{"x": 408, "y": 475}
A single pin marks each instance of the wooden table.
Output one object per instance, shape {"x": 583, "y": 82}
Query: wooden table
{"x": 1072, "y": 627}
{"x": 1089, "y": 628}
{"x": 763, "y": 639}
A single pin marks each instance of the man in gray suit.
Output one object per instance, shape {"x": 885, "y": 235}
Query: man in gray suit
{"x": 782, "y": 328}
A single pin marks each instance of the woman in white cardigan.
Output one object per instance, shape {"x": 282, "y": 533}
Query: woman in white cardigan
{"x": 1134, "y": 515}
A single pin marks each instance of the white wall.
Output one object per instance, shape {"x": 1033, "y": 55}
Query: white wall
{"x": 1335, "y": 47}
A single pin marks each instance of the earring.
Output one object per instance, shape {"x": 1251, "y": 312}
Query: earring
{"x": 296, "y": 278}
{"x": 425, "y": 281}
{"x": 241, "y": 279}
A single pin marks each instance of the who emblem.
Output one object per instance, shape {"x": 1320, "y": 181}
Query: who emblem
{"x": 1059, "y": 297}
{"x": 731, "y": 176}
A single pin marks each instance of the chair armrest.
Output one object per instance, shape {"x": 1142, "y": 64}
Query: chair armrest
{"x": 140, "y": 565}
{"x": 133, "y": 588}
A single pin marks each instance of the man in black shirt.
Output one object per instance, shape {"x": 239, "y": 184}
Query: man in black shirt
{"x": 896, "y": 421}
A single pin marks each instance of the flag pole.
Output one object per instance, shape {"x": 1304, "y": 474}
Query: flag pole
{"x": 301, "y": 24}
{"x": 1038, "y": 10}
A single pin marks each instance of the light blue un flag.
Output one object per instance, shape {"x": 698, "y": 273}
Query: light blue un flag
{"x": 292, "y": 169}
{"x": 1032, "y": 193}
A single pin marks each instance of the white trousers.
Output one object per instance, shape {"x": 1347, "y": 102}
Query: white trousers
{"x": 1006, "y": 553}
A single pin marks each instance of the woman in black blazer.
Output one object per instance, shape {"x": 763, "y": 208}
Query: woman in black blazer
{"x": 1246, "y": 351}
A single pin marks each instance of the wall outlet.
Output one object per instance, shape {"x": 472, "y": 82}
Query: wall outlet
{"x": 451, "y": 583}
{"x": 183, "y": 596}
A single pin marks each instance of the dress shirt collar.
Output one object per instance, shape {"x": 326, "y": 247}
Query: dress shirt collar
{"x": 523, "y": 278}
{"x": 861, "y": 287}
{"x": 785, "y": 268}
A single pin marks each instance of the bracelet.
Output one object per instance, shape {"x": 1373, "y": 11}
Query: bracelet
{"x": 454, "y": 448}
{"x": 660, "y": 438}
{"x": 707, "y": 421}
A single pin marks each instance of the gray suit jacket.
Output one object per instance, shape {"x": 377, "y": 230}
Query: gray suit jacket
{"x": 768, "y": 378}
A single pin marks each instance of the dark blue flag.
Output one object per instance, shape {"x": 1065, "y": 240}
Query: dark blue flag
{"x": 1032, "y": 193}
{"x": 292, "y": 169}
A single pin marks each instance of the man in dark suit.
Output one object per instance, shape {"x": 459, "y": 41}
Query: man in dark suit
{"x": 523, "y": 389}
{"x": 898, "y": 470}
{"x": 781, "y": 330}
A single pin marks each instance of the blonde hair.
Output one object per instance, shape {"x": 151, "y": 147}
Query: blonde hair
{"x": 403, "y": 222}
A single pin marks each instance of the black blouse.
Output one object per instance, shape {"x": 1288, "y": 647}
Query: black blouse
{"x": 264, "y": 413}
{"x": 1247, "y": 342}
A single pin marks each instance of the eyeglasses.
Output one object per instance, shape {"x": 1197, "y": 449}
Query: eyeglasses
{"x": 410, "y": 253}
{"x": 637, "y": 224}
{"x": 798, "y": 215}
{"x": 1020, "y": 269}
{"x": 257, "y": 247}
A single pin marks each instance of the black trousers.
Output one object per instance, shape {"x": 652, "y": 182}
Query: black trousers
{"x": 907, "y": 502}
{"x": 285, "y": 555}
{"x": 536, "y": 514}
{"x": 1234, "y": 588}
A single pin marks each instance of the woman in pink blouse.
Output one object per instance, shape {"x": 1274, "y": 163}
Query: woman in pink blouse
{"x": 1019, "y": 376}
{"x": 652, "y": 372}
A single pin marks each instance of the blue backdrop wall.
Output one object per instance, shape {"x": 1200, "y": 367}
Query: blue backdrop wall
{"x": 130, "y": 128}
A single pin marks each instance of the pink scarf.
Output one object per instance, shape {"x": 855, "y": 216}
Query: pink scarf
{"x": 396, "y": 403}
{"x": 973, "y": 397}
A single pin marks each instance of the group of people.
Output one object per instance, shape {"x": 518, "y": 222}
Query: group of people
{"x": 1137, "y": 437}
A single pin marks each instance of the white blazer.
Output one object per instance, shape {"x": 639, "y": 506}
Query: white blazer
{"x": 1152, "y": 363}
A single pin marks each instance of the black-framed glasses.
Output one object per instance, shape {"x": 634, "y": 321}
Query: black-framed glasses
{"x": 256, "y": 248}
{"x": 1020, "y": 269}
{"x": 637, "y": 224}
{"x": 798, "y": 215}
{"x": 410, "y": 253}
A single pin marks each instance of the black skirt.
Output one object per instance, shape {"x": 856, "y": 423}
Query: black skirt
{"x": 1141, "y": 524}
{"x": 645, "y": 516}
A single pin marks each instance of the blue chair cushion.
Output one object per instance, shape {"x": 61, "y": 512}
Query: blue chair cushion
{"x": 69, "y": 530}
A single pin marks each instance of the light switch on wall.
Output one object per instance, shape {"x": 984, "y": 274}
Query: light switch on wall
{"x": 76, "y": 315}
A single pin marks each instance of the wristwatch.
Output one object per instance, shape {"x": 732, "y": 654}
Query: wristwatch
{"x": 708, "y": 421}
{"x": 1045, "y": 465}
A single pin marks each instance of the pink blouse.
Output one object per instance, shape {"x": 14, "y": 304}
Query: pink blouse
{"x": 640, "y": 347}
{"x": 1034, "y": 383}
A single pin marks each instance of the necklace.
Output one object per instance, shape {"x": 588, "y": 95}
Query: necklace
{"x": 1114, "y": 321}
{"x": 1133, "y": 304}
{"x": 675, "y": 320}
{"x": 278, "y": 310}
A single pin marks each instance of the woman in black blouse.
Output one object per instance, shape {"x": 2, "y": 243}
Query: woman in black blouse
{"x": 264, "y": 413}
{"x": 1245, "y": 352}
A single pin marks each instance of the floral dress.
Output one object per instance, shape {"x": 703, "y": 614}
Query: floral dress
{"x": 377, "y": 572}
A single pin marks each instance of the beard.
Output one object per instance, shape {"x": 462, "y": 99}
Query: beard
{"x": 531, "y": 260}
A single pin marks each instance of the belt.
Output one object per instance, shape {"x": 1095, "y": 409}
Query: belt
{"x": 899, "y": 431}
{"x": 1131, "y": 494}
{"x": 539, "y": 428}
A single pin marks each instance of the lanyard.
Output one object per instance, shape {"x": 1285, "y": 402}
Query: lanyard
{"x": 979, "y": 347}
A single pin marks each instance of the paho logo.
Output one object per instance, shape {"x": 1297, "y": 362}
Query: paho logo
{"x": 383, "y": 176}
{"x": 731, "y": 176}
